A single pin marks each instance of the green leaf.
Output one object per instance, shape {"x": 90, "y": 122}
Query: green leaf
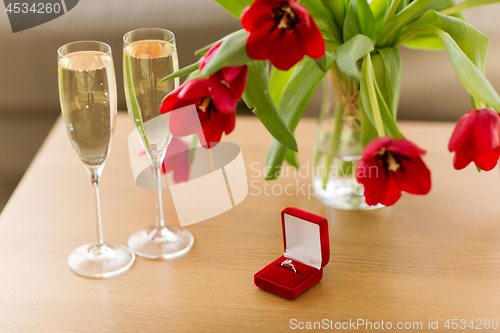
{"x": 368, "y": 96}
{"x": 467, "y": 48}
{"x": 258, "y": 98}
{"x": 387, "y": 117}
{"x": 183, "y": 71}
{"x": 297, "y": 94}
{"x": 278, "y": 81}
{"x": 291, "y": 158}
{"x": 378, "y": 8}
{"x": 321, "y": 63}
{"x": 350, "y": 52}
{"x": 437, "y": 5}
{"x": 466, "y": 5}
{"x": 351, "y": 27}
{"x": 231, "y": 53}
{"x": 337, "y": 10}
{"x": 192, "y": 147}
{"x": 323, "y": 18}
{"x": 234, "y": 7}
{"x": 424, "y": 41}
{"x": 471, "y": 77}
{"x": 193, "y": 75}
{"x": 391, "y": 82}
{"x": 368, "y": 131}
{"x": 331, "y": 46}
{"x": 401, "y": 18}
{"x": 391, "y": 10}
{"x": 366, "y": 20}
{"x": 204, "y": 49}
{"x": 472, "y": 42}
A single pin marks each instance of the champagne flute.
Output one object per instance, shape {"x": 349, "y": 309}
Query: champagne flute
{"x": 149, "y": 55}
{"x": 87, "y": 92}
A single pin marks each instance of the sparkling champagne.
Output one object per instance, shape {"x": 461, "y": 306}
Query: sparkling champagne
{"x": 149, "y": 55}
{"x": 147, "y": 62}
{"x": 87, "y": 90}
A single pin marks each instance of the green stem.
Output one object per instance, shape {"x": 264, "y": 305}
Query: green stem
{"x": 350, "y": 166}
{"x": 477, "y": 104}
{"x": 334, "y": 143}
{"x": 324, "y": 106}
{"x": 379, "y": 124}
{"x": 132, "y": 103}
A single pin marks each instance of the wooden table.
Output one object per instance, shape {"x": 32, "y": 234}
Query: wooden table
{"x": 431, "y": 257}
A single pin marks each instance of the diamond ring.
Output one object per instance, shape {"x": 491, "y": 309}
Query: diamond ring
{"x": 288, "y": 262}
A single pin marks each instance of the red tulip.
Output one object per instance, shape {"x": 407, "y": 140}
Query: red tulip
{"x": 389, "y": 166}
{"x": 215, "y": 106}
{"x": 281, "y": 31}
{"x": 176, "y": 160}
{"x": 235, "y": 77}
{"x": 476, "y": 138}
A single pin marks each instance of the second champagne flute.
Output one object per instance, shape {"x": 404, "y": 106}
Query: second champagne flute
{"x": 149, "y": 55}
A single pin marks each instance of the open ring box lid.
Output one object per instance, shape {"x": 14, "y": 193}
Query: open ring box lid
{"x": 306, "y": 243}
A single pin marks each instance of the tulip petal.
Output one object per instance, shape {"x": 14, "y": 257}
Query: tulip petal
{"x": 169, "y": 163}
{"x": 375, "y": 146}
{"x": 229, "y": 74}
{"x": 259, "y": 42}
{"x": 181, "y": 169}
{"x": 286, "y": 50}
{"x": 461, "y": 131}
{"x": 196, "y": 89}
{"x": 487, "y": 160}
{"x": 485, "y": 133}
{"x": 237, "y": 85}
{"x": 302, "y": 12}
{"x": 465, "y": 154}
{"x": 170, "y": 103}
{"x": 212, "y": 132}
{"x": 184, "y": 121}
{"x": 208, "y": 56}
{"x": 405, "y": 148}
{"x": 271, "y": 3}
{"x": 176, "y": 146}
{"x": 416, "y": 177}
{"x": 374, "y": 180}
{"x": 223, "y": 99}
{"x": 314, "y": 42}
{"x": 315, "y": 45}
{"x": 229, "y": 123}
{"x": 176, "y": 160}
{"x": 255, "y": 16}
{"x": 393, "y": 193}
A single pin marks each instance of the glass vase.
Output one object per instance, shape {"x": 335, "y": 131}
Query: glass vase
{"x": 338, "y": 145}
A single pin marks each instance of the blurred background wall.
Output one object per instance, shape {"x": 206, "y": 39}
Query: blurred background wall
{"x": 29, "y": 102}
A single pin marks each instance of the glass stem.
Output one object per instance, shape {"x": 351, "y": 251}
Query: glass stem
{"x": 160, "y": 222}
{"x": 95, "y": 187}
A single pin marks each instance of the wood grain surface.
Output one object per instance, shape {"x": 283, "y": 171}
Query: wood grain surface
{"x": 433, "y": 257}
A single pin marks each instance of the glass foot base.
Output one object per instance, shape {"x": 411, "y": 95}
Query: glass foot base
{"x": 166, "y": 243}
{"x": 101, "y": 262}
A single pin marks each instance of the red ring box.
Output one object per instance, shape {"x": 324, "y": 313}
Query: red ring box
{"x": 306, "y": 242}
